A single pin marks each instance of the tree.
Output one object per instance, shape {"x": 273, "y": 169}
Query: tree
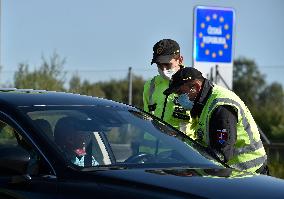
{"x": 248, "y": 82}
{"x": 114, "y": 89}
{"x": 49, "y": 76}
{"x": 266, "y": 102}
{"x": 118, "y": 90}
{"x": 271, "y": 111}
{"x": 75, "y": 84}
{"x": 85, "y": 88}
{"x": 137, "y": 91}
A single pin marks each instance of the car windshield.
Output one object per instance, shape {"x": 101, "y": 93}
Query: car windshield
{"x": 93, "y": 136}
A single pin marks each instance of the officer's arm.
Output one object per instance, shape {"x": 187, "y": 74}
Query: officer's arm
{"x": 223, "y": 130}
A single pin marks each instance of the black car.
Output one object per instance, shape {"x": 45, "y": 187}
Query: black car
{"x": 60, "y": 145}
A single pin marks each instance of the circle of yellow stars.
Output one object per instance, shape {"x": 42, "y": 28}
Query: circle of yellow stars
{"x": 225, "y": 26}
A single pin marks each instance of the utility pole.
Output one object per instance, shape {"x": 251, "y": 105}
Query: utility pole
{"x": 130, "y": 86}
{"x": 216, "y": 74}
{"x": 211, "y": 74}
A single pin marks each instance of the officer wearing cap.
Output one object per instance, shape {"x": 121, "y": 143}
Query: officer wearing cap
{"x": 166, "y": 55}
{"x": 224, "y": 122}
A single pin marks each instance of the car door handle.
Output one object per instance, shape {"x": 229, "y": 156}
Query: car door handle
{"x": 49, "y": 177}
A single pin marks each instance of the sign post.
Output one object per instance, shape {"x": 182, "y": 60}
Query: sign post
{"x": 213, "y": 43}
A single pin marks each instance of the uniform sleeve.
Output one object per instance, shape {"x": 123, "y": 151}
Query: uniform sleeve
{"x": 146, "y": 96}
{"x": 223, "y": 130}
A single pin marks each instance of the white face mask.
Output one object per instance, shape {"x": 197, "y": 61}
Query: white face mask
{"x": 167, "y": 74}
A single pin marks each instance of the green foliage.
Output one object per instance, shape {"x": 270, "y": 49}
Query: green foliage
{"x": 49, "y": 76}
{"x": 118, "y": 90}
{"x": 275, "y": 154}
{"x": 113, "y": 89}
{"x": 6, "y": 134}
{"x": 266, "y": 102}
{"x": 248, "y": 82}
{"x": 137, "y": 91}
{"x": 271, "y": 111}
{"x": 276, "y": 169}
{"x": 85, "y": 88}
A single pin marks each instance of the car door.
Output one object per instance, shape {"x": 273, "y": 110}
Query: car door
{"x": 24, "y": 171}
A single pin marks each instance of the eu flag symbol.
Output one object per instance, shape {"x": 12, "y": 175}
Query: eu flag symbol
{"x": 213, "y": 35}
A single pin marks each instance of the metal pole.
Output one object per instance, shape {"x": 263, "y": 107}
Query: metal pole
{"x": 130, "y": 86}
{"x": 264, "y": 137}
{"x": 211, "y": 74}
{"x": 222, "y": 79}
{"x": 216, "y": 74}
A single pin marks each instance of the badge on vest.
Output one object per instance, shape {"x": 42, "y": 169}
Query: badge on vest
{"x": 180, "y": 113}
{"x": 181, "y": 117}
{"x": 200, "y": 134}
{"x": 222, "y": 135}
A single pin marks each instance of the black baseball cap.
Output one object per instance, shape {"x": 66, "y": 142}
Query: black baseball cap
{"x": 182, "y": 76}
{"x": 164, "y": 50}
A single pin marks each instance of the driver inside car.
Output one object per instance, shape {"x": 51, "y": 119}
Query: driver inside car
{"x": 76, "y": 144}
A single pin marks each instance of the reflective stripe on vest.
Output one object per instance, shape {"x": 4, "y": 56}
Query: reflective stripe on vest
{"x": 250, "y": 164}
{"x": 151, "y": 91}
{"x": 249, "y": 157}
{"x": 182, "y": 124}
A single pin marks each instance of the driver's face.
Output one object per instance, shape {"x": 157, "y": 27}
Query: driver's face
{"x": 79, "y": 139}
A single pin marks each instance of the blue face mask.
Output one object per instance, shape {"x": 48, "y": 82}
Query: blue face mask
{"x": 185, "y": 102}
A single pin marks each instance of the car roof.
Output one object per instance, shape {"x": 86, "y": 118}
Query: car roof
{"x": 29, "y": 97}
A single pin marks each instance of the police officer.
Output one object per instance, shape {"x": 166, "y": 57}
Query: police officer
{"x": 166, "y": 55}
{"x": 224, "y": 122}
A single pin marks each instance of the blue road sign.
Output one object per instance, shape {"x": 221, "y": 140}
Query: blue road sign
{"x": 213, "y": 34}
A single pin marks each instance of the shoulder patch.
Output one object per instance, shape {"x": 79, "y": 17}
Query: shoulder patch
{"x": 222, "y": 136}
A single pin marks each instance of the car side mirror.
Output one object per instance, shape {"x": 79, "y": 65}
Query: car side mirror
{"x": 14, "y": 161}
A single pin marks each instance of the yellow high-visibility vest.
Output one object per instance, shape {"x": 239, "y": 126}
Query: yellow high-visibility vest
{"x": 153, "y": 96}
{"x": 249, "y": 153}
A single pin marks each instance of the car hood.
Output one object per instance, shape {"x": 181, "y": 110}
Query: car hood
{"x": 209, "y": 183}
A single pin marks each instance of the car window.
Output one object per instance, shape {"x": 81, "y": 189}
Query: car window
{"x": 10, "y": 138}
{"x": 7, "y": 135}
{"x": 90, "y": 136}
{"x": 147, "y": 140}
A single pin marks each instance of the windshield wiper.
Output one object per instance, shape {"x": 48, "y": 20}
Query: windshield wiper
{"x": 104, "y": 167}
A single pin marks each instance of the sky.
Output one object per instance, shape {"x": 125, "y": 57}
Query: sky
{"x": 100, "y": 40}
